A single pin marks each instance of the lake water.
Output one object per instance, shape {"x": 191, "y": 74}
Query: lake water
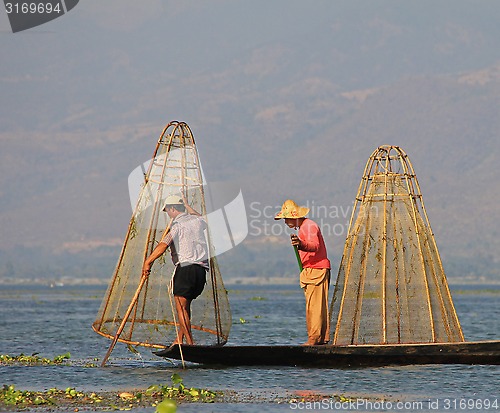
{"x": 53, "y": 321}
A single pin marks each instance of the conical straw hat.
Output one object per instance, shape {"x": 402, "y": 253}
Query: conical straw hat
{"x": 290, "y": 209}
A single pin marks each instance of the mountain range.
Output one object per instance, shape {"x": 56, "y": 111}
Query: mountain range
{"x": 289, "y": 108}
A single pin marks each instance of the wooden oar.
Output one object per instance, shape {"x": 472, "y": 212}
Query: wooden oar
{"x": 130, "y": 308}
{"x": 124, "y": 321}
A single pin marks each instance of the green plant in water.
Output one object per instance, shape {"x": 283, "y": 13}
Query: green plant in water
{"x": 72, "y": 393}
{"x": 33, "y": 359}
{"x": 12, "y": 397}
{"x": 179, "y": 391}
{"x": 132, "y": 349}
{"x": 60, "y": 359}
{"x": 164, "y": 398}
{"x": 166, "y": 406}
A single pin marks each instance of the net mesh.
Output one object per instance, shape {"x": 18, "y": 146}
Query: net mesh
{"x": 174, "y": 169}
{"x": 391, "y": 287}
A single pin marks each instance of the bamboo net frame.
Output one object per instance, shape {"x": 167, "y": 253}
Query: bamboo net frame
{"x": 391, "y": 287}
{"x": 138, "y": 311}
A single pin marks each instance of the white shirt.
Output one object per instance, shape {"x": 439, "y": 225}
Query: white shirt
{"x": 187, "y": 240}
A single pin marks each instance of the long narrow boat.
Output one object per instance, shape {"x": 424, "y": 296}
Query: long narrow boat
{"x": 480, "y": 352}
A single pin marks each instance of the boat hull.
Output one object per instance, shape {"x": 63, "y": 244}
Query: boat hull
{"x": 485, "y": 352}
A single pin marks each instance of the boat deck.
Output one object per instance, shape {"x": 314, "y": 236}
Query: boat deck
{"x": 484, "y": 352}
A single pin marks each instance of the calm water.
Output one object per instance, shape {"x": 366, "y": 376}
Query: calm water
{"x": 53, "y": 321}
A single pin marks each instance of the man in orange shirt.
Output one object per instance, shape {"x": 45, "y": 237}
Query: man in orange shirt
{"x": 315, "y": 275}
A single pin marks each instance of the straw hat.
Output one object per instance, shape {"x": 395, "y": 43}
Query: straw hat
{"x": 291, "y": 210}
{"x": 172, "y": 200}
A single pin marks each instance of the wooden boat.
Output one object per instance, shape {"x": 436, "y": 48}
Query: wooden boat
{"x": 480, "y": 352}
{"x": 391, "y": 288}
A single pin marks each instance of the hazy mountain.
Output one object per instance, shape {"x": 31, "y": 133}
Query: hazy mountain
{"x": 285, "y": 99}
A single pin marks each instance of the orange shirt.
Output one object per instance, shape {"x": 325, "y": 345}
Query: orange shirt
{"x": 312, "y": 249}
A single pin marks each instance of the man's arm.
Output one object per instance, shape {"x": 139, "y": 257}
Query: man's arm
{"x": 310, "y": 240}
{"x": 189, "y": 209}
{"x": 148, "y": 262}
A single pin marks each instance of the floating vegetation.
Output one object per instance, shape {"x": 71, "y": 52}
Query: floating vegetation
{"x": 163, "y": 397}
{"x": 180, "y": 392}
{"x": 166, "y": 406}
{"x": 33, "y": 359}
{"x": 10, "y": 396}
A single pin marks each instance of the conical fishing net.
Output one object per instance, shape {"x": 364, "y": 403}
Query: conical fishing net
{"x": 391, "y": 287}
{"x": 142, "y": 312}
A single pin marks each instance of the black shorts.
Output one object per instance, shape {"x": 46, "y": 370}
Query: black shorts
{"x": 189, "y": 280}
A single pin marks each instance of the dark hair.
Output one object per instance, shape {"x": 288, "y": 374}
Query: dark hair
{"x": 178, "y": 207}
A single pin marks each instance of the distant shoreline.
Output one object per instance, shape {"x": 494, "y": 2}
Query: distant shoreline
{"x": 257, "y": 281}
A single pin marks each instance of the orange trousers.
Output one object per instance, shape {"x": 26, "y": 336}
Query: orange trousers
{"x": 315, "y": 283}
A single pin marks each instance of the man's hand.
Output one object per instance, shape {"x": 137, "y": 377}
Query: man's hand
{"x": 146, "y": 269}
{"x": 295, "y": 240}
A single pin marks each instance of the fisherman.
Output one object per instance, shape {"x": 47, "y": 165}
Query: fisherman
{"x": 189, "y": 251}
{"x": 315, "y": 275}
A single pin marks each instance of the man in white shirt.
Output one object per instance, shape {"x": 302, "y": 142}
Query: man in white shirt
{"x": 189, "y": 251}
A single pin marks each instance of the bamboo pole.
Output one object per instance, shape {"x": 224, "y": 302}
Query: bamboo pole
{"x": 360, "y": 197}
{"x": 456, "y": 322}
{"x": 133, "y": 302}
{"x": 362, "y": 280}
{"x": 415, "y": 213}
{"x": 297, "y": 255}
{"x": 212, "y": 262}
{"x": 124, "y": 321}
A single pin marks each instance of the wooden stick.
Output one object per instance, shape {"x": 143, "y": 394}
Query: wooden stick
{"x": 299, "y": 261}
{"x": 170, "y": 293}
{"x": 124, "y": 321}
{"x": 129, "y": 309}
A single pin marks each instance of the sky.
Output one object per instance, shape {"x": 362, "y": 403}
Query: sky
{"x": 253, "y": 77}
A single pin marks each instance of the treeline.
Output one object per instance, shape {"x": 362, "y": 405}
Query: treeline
{"x": 249, "y": 259}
